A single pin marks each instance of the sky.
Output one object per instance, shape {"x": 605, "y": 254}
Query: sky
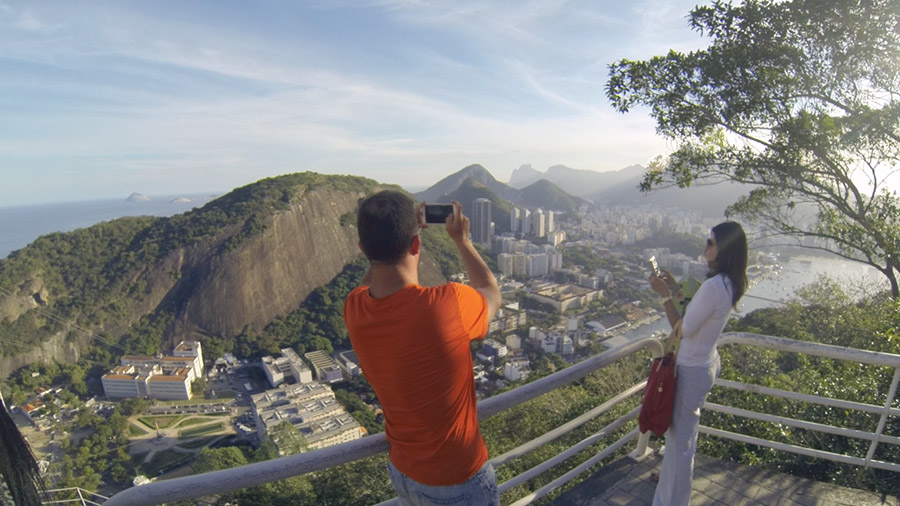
{"x": 104, "y": 98}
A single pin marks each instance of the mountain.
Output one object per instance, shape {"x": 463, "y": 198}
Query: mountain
{"x": 450, "y": 183}
{"x": 231, "y": 266}
{"x": 621, "y": 187}
{"x": 710, "y": 200}
{"x": 547, "y": 195}
{"x": 469, "y": 190}
{"x": 475, "y": 181}
{"x": 524, "y": 176}
{"x": 582, "y": 183}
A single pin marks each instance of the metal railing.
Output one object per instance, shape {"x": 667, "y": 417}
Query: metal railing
{"x": 229, "y": 480}
{"x": 820, "y": 350}
{"x": 80, "y": 496}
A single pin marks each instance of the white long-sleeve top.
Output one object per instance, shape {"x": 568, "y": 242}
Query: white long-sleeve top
{"x": 704, "y": 320}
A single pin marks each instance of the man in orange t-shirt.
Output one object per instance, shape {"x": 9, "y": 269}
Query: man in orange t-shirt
{"x": 413, "y": 346}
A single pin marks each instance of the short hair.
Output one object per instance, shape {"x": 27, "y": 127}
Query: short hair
{"x": 731, "y": 256}
{"x": 387, "y": 224}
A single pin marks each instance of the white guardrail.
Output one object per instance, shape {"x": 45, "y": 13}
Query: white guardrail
{"x": 228, "y": 480}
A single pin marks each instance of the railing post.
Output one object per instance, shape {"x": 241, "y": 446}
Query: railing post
{"x": 884, "y": 415}
{"x": 642, "y": 450}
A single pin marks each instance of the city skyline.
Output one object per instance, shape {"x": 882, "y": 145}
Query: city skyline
{"x": 108, "y": 98}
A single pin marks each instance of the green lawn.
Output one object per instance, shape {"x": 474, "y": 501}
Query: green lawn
{"x": 191, "y": 421}
{"x": 203, "y": 429}
{"x": 163, "y": 421}
{"x": 134, "y": 430}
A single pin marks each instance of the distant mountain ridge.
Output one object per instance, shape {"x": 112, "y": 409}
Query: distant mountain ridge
{"x": 464, "y": 185}
{"x": 621, "y": 187}
{"x": 474, "y": 182}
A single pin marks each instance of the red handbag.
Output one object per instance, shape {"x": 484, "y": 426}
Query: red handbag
{"x": 659, "y": 396}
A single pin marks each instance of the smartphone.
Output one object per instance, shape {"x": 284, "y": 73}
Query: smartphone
{"x": 654, "y": 266}
{"x": 438, "y": 213}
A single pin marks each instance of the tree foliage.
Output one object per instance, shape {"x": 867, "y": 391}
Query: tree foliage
{"x": 798, "y": 98}
{"x": 824, "y": 314}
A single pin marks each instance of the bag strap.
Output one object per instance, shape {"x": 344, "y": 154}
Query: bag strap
{"x": 674, "y": 340}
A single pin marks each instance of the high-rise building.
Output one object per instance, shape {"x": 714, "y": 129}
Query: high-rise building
{"x": 514, "y": 219}
{"x": 549, "y": 221}
{"x": 481, "y": 221}
{"x": 538, "y": 224}
{"x": 526, "y": 222}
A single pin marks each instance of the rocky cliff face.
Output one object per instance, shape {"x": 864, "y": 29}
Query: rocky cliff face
{"x": 216, "y": 286}
{"x": 271, "y": 273}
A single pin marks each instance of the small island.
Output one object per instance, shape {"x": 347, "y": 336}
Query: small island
{"x": 137, "y": 197}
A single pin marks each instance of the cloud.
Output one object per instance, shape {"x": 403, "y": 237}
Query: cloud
{"x": 387, "y": 89}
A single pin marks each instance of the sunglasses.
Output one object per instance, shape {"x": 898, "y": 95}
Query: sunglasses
{"x": 710, "y": 243}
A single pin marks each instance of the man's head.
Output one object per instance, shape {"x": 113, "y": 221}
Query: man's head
{"x": 387, "y": 225}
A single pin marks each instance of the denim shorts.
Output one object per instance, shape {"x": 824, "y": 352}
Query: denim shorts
{"x": 479, "y": 490}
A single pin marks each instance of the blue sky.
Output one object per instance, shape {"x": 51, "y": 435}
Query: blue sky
{"x": 100, "y": 99}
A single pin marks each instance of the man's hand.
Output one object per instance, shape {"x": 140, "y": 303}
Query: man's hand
{"x": 420, "y": 214}
{"x": 458, "y": 224}
{"x": 480, "y": 277}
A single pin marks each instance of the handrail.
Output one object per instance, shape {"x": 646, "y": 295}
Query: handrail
{"x": 236, "y": 478}
{"x": 85, "y": 497}
{"x": 820, "y": 350}
{"x": 228, "y": 480}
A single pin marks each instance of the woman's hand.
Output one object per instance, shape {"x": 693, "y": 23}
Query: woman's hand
{"x": 671, "y": 284}
{"x": 659, "y": 285}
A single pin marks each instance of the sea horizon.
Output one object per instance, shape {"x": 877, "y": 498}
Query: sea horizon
{"x": 21, "y": 225}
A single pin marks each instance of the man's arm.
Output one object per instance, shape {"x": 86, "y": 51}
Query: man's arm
{"x": 480, "y": 277}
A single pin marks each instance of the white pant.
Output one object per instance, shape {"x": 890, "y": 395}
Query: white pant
{"x": 693, "y": 384}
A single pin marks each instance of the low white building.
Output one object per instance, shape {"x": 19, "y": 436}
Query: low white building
{"x": 288, "y": 365}
{"x": 517, "y": 369}
{"x": 159, "y": 377}
{"x": 311, "y": 408}
{"x": 325, "y": 367}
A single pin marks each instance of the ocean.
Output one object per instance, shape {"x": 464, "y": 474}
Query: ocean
{"x": 21, "y": 225}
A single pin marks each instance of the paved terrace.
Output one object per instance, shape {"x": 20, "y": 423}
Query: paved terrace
{"x": 716, "y": 483}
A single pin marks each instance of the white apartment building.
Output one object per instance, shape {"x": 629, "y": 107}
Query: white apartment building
{"x": 194, "y": 350}
{"x": 160, "y": 377}
{"x": 175, "y": 386}
{"x": 515, "y": 217}
{"x": 311, "y": 408}
{"x": 538, "y": 225}
{"x": 562, "y": 297}
{"x": 331, "y": 431}
{"x": 289, "y": 365}
{"x": 325, "y": 367}
{"x": 516, "y": 369}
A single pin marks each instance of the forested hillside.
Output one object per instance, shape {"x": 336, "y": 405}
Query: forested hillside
{"x": 229, "y": 268}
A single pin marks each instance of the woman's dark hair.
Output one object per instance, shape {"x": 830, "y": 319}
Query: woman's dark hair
{"x": 387, "y": 224}
{"x": 731, "y": 257}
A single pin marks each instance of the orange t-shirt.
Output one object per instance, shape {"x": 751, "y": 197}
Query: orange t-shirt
{"x": 413, "y": 347}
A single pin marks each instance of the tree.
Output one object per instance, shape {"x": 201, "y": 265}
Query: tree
{"x": 209, "y": 459}
{"x": 824, "y": 314}
{"x": 800, "y": 99}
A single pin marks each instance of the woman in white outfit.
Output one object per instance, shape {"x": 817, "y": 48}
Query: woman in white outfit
{"x": 698, "y": 361}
